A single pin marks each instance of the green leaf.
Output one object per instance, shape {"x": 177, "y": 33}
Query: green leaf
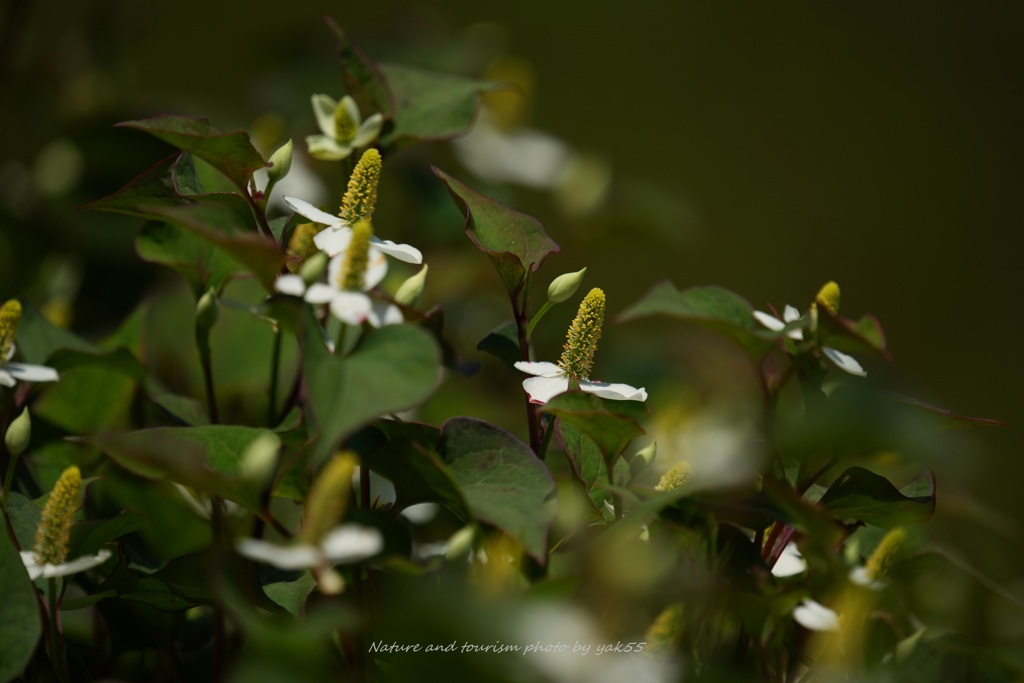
{"x": 941, "y": 418}
{"x": 201, "y": 263}
{"x": 87, "y": 537}
{"x": 24, "y": 515}
{"x": 853, "y": 336}
{"x": 38, "y": 338}
{"x": 230, "y": 153}
{"x": 205, "y": 458}
{"x": 391, "y": 369}
{"x": 94, "y": 393}
{"x": 713, "y": 308}
{"x": 503, "y": 343}
{"x": 503, "y": 482}
{"x": 514, "y": 241}
{"x": 170, "y": 192}
{"x": 861, "y": 495}
{"x": 291, "y": 595}
{"x": 20, "y": 626}
{"x": 611, "y": 424}
{"x": 588, "y": 464}
{"x": 363, "y": 78}
{"x": 431, "y": 105}
{"x": 418, "y": 474}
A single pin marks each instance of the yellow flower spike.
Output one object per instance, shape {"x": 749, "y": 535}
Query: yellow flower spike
{"x": 301, "y": 246}
{"x": 361, "y": 196}
{"x": 345, "y": 127}
{"x": 887, "y": 553}
{"x": 352, "y": 276}
{"x": 581, "y": 341}
{"x": 828, "y": 297}
{"x": 10, "y": 316}
{"x": 674, "y": 477}
{"x": 328, "y": 497}
{"x": 54, "y": 531}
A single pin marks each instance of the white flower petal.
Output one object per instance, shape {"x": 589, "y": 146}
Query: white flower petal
{"x": 421, "y": 513}
{"x": 769, "y": 321}
{"x": 402, "y": 252}
{"x": 31, "y": 373}
{"x": 281, "y": 556}
{"x": 387, "y": 314}
{"x": 543, "y": 389}
{"x": 816, "y": 617}
{"x": 333, "y": 241}
{"x": 619, "y": 392}
{"x": 351, "y": 307}
{"x": 291, "y": 285}
{"x": 319, "y": 293}
{"x": 6, "y": 379}
{"x": 844, "y": 362}
{"x": 790, "y": 562}
{"x": 352, "y": 543}
{"x": 304, "y": 208}
{"x": 368, "y": 131}
{"x": 52, "y": 571}
{"x": 326, "y": 149}
{"x": 540, "y": 369}
{"x": 861, "y": 576}
{"x": 790, "y": 314}
{"x": 323, "y": 109}
{"x": 351, "y": 109}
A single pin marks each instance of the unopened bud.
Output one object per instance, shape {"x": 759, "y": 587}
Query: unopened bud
{"x": 411, "y": 291}
{"x": 460, "y": 545}
{"x": 19, "y": 433}
{"x": 314, "y": 267}
{"x": 207, "y": 310}
{"x": 259, "y": 457}
{"x": 328, "y": 497}
{"x": 643, "y": 459}
{"x": 280, "y": 162}
{"x": 564, "y": 286}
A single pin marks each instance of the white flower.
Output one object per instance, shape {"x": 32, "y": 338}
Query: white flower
{"x": 337, "y": 142}
{"x": 551, "y": 380}
{"x": 816, "y": 617}
{"x": 790, "y": 315}
{"x": 10, "y": 373}
{"x": 790, "y": 562}
{"x": 345, "y": 544}
{"x": 335, "y": 239}
{"x": 347, "y": 306}
{"x": 526, "y": 157}
{"x": 52, "y": 571}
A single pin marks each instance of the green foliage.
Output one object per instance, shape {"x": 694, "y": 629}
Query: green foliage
{"x": 20, "y": 627}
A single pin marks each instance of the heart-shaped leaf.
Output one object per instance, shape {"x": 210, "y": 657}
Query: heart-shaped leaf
{"x": 502, "y": 481}
{"x": 392, "y": 369}
{"x": 230, "y": 153}
{"x": 514, "y": 241}
{"x": 20, "y": 626}
{"x": 714, "y": 308}
{"x": 861, "y": 495}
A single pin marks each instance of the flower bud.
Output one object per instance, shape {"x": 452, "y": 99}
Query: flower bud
{"x": 280, "y": 162}
{"x": 207, "y": 310}
{"x": 19, "y": 433}
{"x": 328, "y": 497}
{"x": 411, "y": 291}
{"x": 259, "y": 457}
{"x": 460, "y": 545}
{"x": 314, "y": 267}
{"x": 643, "y": 459}
{"x": 564, "y": 286}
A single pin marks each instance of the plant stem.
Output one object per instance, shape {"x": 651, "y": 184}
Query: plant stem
{"x": 57, "y": 654}
{"x": 203, "y": 341}
{"x": 548, "y": 431}
{"x": 522, "y": 324}
{"x": 275, "y": 363}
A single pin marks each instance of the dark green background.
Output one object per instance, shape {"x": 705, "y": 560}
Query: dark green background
{"x": 877, "y": 144}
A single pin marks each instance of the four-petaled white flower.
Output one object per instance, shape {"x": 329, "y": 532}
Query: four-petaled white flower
{"x": 551, "y": 380}
{"x": 345, "y": 544}
{"x": 347, "y": 306}
{"x": 37, "y": 570}
{"x": 334, "y": 240}
{"x": 10, "y": 373}
{"x": 791, "y": 315}
{"x": 814, "y": 616}
{"x": 338, "y": 141}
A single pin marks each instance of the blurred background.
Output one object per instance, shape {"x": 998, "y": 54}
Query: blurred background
{"x": 759, "y": 148}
